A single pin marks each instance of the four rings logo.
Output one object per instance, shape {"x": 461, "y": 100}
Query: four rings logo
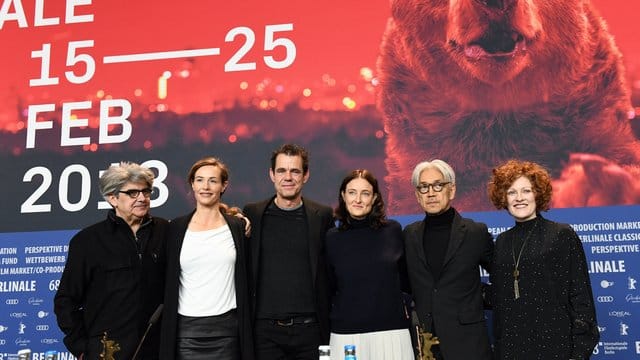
{"x": 42, "y": 327}
{"x": 605, "y": 299}
{"x": 12, "y": 301}
{"x": 3, "y": 342}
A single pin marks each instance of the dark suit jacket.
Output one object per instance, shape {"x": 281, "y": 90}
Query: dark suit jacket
{"x": 177, "y": 229}
{"x": 319, "y": 220}
{"x": 452, "y": 303}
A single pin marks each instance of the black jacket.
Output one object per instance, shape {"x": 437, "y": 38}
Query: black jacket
{"x": 109, "y": 285}
{"x": 175, "y": 239}
{"x": 453, "y": 302}
{"x": 320, "y": 219}
{"x": 564, "y": 320}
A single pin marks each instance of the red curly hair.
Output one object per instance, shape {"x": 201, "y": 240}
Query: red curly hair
{"x": 506, "y": 174}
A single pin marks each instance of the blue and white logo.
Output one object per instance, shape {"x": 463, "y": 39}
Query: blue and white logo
{"x": 624, "y": 329}
{"x": 606, "y": 284}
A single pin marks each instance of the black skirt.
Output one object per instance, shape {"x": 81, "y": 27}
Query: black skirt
{"x": 210, "y": 337}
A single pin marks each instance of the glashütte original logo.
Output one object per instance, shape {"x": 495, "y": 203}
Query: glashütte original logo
{"x": 35, "y": 301}
{"x": 632, "y": 298}
{"x": 22, "y": 341}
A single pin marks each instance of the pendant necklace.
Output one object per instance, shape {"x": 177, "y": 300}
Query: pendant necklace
{"x": 516, "y": 262}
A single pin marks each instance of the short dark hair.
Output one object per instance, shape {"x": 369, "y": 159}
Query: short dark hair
{"x": 507, "y": 173}
{"x": 291, "y": 150}
{"x": 377, "y": 216}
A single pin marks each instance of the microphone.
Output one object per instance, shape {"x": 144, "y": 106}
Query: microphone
{"x": 152, "y": 320}
{"x": 415, "y": 322}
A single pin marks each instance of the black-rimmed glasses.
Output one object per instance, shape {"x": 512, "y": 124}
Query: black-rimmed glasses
{"x": 437, "y": 187}
{"x": 133, "y": 193}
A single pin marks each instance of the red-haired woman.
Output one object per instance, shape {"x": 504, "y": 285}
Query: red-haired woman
{"x": 543, "y": 305}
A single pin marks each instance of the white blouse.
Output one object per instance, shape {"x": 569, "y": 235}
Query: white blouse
{"x": 207, "y": 266}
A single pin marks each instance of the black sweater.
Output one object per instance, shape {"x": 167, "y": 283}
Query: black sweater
{"x": 367, "y": 272}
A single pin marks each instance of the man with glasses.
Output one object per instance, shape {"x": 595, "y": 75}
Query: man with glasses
{"x": 444, "y": 252}
{"x": 113, "y": 280}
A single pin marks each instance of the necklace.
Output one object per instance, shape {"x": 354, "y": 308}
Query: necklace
{"x": 516, "y": 262}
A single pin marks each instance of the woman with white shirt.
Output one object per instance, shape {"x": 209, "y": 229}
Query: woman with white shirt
{"x": 206, "y": 309}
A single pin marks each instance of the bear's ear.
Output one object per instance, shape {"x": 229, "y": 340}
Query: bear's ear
{"x": 400, "y": 8}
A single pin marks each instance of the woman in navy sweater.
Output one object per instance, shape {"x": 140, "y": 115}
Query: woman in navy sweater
{"x": 367, "y": 271}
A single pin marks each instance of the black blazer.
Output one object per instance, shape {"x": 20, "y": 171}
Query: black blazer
{"x": 452, "y": 303}
{"x": 319, "y": 220}
{"x": 570, "y": 306}
{"x": 177, "y": 230}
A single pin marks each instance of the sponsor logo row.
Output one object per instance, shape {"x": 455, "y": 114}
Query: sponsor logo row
{"x": 631, "y": 283}
{"x": 31, "y": 301}
{"x": 617, "y": 347}
{"x": 629, "y": 298}
{"x": 623, "y": 329}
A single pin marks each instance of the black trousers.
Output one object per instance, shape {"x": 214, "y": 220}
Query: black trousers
{"x": 286, "y": 342}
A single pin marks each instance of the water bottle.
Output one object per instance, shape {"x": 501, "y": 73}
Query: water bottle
{"x": 325, "y": 352}
{"x": 349, "y": 352}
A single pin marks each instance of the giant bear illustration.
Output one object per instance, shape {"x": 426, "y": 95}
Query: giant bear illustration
{"x": 477, "y": 82}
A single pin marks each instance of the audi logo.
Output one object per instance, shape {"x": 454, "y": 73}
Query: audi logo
{"x": 605, "y": 299}
{"x": 42, "y": 327}
{"x": 12, "y": 302}
{"x": 3, "y": 342}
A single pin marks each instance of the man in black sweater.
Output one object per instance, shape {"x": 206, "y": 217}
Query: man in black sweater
{"x": 290, "y": 299}
{"x": 443, "y": 254}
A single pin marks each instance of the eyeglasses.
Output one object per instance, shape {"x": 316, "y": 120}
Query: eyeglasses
{"x": 133, "y": 193}
{"x": 437, "y": 187}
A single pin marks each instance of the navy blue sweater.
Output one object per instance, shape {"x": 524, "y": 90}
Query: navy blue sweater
{"x": 368, "y": 274}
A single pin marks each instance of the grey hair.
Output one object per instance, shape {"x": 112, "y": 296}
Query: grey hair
{"x": 116, "y": 176}
{"x": 445, "y": 169}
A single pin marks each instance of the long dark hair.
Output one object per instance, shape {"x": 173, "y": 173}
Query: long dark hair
{"x": 377, "y": 217}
